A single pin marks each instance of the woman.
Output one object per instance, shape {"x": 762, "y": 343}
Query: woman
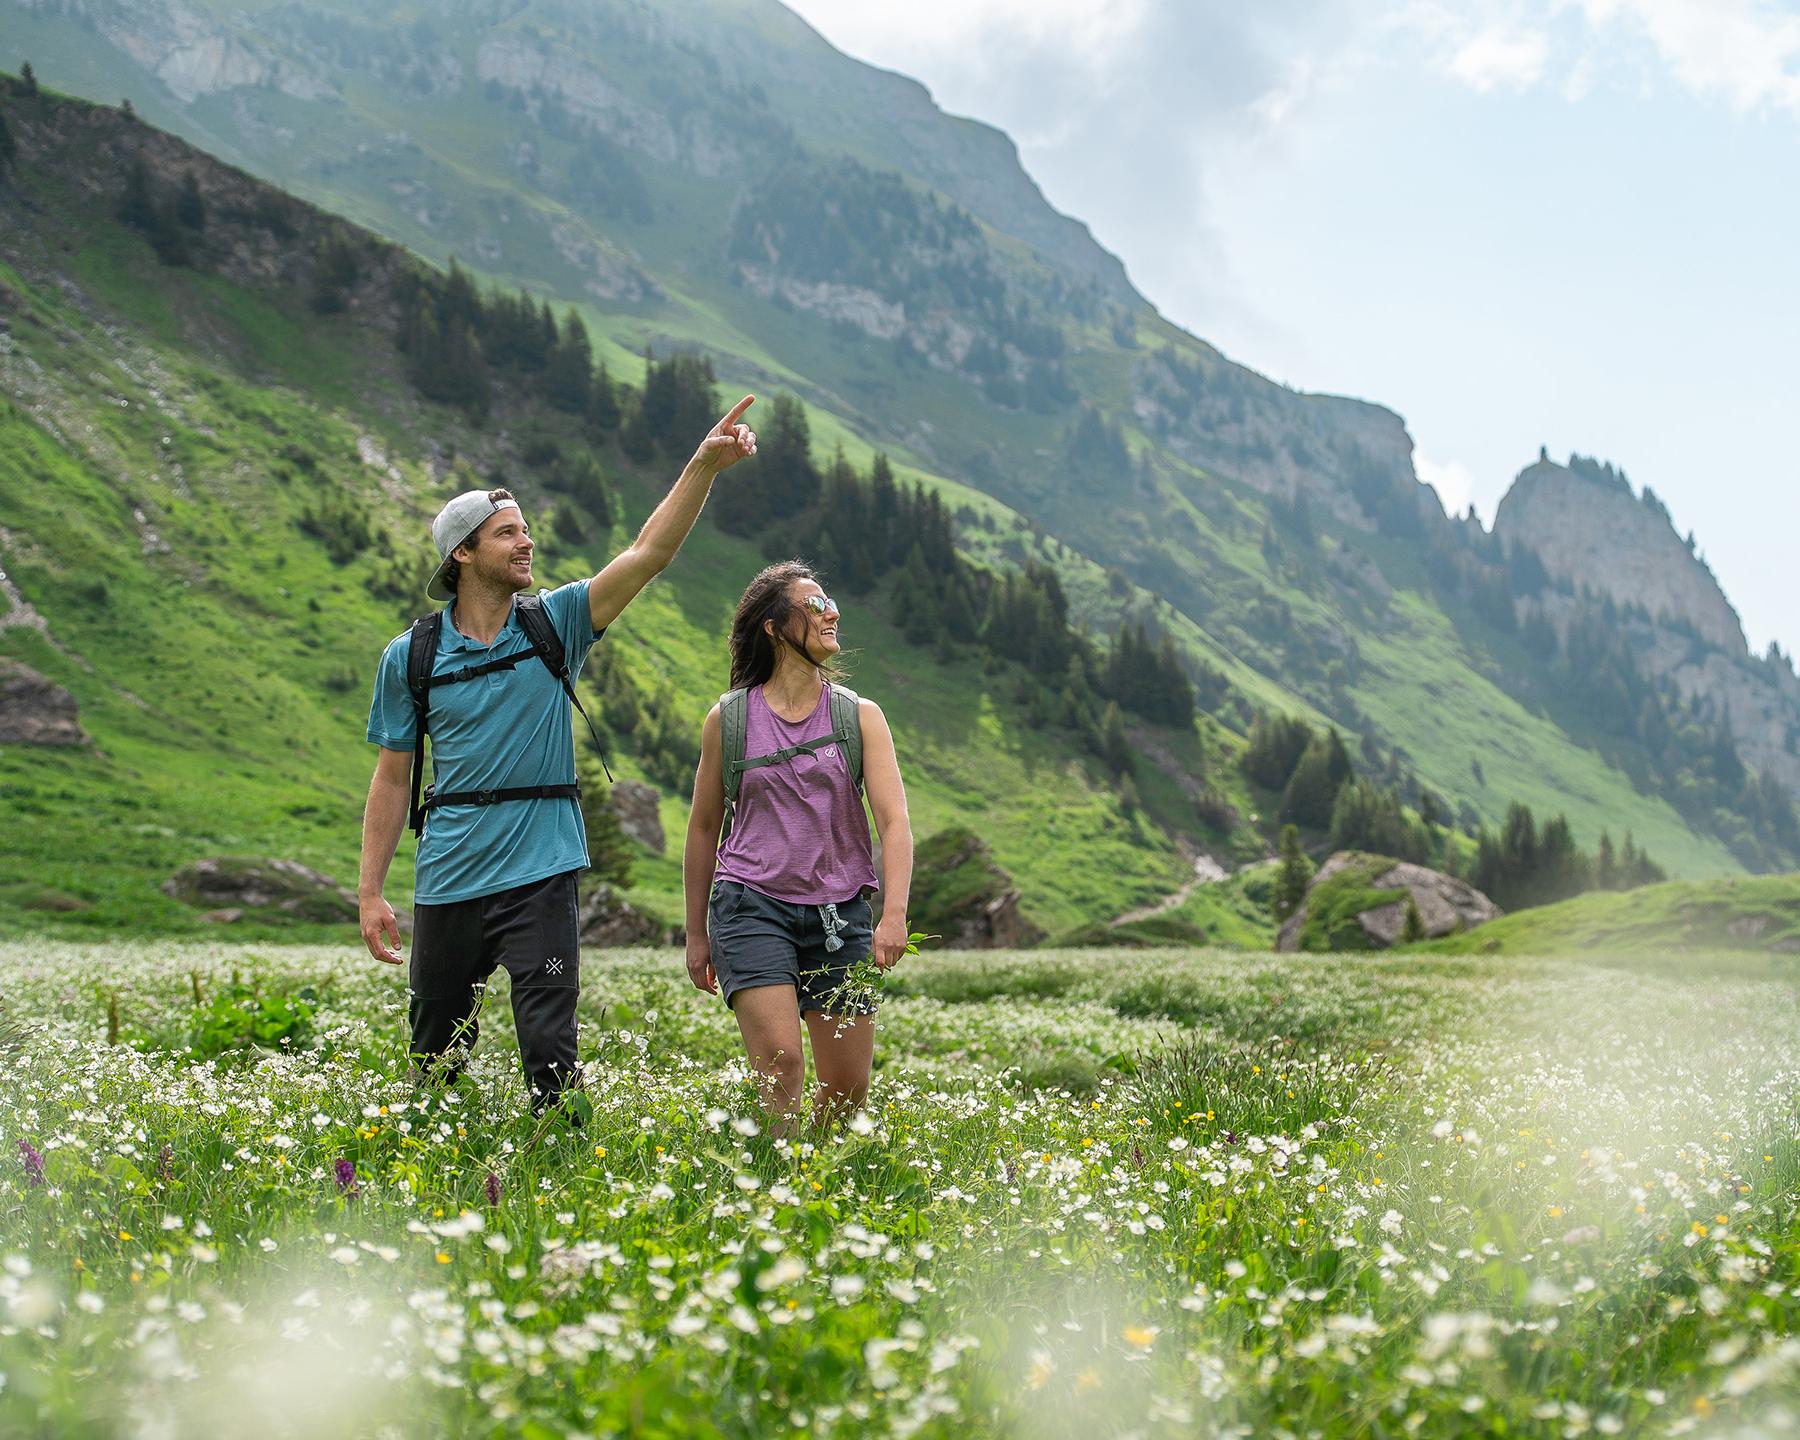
{"x": 778, "y": 910}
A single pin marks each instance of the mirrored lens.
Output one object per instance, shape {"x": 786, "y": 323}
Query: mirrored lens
{"x": 819, "y": 604}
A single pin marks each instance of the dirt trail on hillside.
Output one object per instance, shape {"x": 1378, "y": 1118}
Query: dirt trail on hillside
{"x": 1207, "y": 871}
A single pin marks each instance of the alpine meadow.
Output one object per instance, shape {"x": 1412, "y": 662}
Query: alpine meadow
{"x": 1355, "y": 989}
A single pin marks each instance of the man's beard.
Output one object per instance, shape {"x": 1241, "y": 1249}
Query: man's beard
{"x": 501, "y": 575}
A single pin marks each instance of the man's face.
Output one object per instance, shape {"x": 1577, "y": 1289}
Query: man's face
{"x": 500, "y": 551}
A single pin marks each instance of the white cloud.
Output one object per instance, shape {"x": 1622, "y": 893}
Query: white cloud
{"x": 1745, "y": 51}
{"x": 1494, "y": 59}
{"x": 892, "y": 32}
{"x": 1453, "y": 481}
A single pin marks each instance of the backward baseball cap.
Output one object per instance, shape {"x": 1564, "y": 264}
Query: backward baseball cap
{"x": 457, "y": 522}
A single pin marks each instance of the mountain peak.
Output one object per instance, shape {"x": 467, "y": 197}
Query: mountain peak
{"x": 1590, "y": 528}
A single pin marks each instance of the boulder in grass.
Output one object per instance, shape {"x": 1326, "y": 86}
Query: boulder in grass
{"x": 266, "y": 888}
{"x": 34, "y": 710}
{"x": 960, "y": 894}
{"x": 1358, "y": 902}
{"x": 607, "y": 919}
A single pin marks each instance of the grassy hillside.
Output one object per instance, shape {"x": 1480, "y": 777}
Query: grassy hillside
{"x": 1757, "y": 914}
{"x": 178, "y": 452}
{"x": 898, "y": 269}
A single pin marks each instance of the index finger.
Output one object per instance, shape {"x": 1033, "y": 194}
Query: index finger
{"x": 736, "y": 410}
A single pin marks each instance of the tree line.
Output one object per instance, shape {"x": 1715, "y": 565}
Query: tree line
{"x": 1519, "y": 866}
{"x": 865, "y": 531}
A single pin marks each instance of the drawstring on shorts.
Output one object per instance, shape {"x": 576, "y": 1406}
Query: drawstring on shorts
{"x": 828, "y": 917}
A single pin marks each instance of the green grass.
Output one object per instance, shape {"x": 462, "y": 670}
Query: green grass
{"x": 1095, "y": 1193}
{"x": 1754, "y": 914}
{"x": 1423, "y": 693}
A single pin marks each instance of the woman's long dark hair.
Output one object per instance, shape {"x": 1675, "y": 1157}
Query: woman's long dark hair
{"x": 753, "y": 653}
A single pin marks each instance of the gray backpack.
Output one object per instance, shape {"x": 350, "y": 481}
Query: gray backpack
{"x": 734, "y": 724}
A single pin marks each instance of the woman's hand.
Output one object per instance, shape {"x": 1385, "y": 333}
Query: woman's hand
{"x": 699, "y": 963}
{"x": 890, "y": 940}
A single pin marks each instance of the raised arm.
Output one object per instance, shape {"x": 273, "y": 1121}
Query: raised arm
{"x": 649, "y": 555}
{"x": 699, "y": 856}
{"x": 887, "y": 801}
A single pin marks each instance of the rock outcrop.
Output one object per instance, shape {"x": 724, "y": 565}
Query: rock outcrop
{"x": 608, "y": 919}
{"x": 225, "y": 884}
{"x": 960, "y": 895}
{"x": 1592, "y": 531}
{"x": 1358, "y": 902}
{"x": 639, "y": 809}
{"x": 35, "y": 711}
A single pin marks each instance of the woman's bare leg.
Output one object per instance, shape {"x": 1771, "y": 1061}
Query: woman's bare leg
{"x": 769, "y": 1019}
{"x": 843, "y": 1049}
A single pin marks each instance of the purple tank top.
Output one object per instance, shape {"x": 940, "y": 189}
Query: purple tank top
{"x": 800, "y": 833}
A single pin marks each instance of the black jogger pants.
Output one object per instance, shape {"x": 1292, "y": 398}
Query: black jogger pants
{"x": 532, "y": 931}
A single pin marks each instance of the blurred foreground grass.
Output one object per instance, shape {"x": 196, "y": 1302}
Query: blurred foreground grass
{"x": 1096, "y": 1193}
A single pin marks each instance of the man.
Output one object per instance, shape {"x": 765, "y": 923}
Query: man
{"x": 495, "y": 881}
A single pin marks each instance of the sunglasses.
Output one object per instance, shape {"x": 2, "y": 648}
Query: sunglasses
{"x": 819, "y": 604}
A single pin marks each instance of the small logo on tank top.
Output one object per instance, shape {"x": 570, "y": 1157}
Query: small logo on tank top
{"x": 829, "y": 752}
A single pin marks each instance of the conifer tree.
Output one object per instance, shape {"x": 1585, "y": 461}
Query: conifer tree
{"x": 1276, "y": 744}
{"x": 1413, "y": 927}
{"x": 1115, "y": 748}
{"x": 603, "y": 402}
{"x": 1338, "y": 769}
{"x": 28, "y": 78}
{"x": 587, "y": 487}
{"x": 569, "y": 377}
{"x": 1310, "y": 791}
{"x": 639, "y": 444}
{"x": 1292, "y": 877}
{"x": 785, "y": 450}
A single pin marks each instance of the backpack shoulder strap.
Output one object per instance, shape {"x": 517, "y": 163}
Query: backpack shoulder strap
{"x": 421, "y": 656}
{"x": 541, "y": 632}
{"x": 734, "y": 724}
{"x": 846, "y": 728}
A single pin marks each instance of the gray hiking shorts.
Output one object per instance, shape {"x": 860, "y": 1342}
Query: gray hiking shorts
{"x": 758, "y": 940}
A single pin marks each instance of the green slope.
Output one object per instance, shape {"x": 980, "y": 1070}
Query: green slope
{"x": 409, "y": 129}
{"x": 1757, "y": 914}
{"x": 167, "y": 433}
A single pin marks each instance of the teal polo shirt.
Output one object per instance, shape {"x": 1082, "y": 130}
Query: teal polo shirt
{"x": 510, "y": 728}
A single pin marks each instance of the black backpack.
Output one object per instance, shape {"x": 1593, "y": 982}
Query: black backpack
{"x": 421, "y": 654}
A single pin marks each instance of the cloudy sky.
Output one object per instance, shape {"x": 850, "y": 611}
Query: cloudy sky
{"x": 1573, "y": 223}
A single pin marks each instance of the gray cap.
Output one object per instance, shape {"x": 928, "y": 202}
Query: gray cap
{"x": 455, "y": 523}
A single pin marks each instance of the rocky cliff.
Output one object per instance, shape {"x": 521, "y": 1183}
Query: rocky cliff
{"x": 1593, "y": 532}
{"x": 1590, "y": 529}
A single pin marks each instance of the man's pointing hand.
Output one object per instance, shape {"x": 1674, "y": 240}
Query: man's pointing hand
{"x": 728, "y": 442}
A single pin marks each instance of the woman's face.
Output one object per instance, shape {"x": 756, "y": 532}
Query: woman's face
{"x": 812, "y": 621}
